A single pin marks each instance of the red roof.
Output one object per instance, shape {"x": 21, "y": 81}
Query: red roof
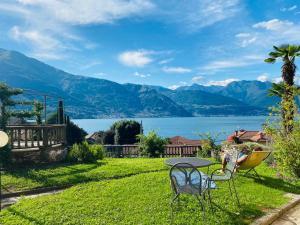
{"x": 255, "y": 136}
{"x": 178, "y": 140}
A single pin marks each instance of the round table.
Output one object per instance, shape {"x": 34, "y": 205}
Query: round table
{"x": 196, "y": 162}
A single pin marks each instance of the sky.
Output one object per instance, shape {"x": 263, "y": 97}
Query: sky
{"x": 169, "y": 43}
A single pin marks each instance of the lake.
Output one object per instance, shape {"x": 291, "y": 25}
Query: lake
{"x": 188, "y": 127}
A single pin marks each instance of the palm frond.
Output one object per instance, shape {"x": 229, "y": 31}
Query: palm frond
{"x": 270, "y": 60}
{"x": 275, "y": 54}
{"x": 277, "y": 89}
{"x": 293, "y": 49}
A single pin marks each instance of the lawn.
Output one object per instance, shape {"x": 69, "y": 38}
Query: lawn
{"x": 144, "y": 199}
{"x": 25, "y": 178}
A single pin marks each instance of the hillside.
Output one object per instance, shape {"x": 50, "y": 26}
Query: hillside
{"x": 87, "y": 97}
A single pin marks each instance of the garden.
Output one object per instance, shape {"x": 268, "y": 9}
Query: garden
{"x": 135, "y": 191}
{"x": 96, "y": 189}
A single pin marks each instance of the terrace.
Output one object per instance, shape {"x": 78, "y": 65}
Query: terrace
{"x": 37, "y": 142}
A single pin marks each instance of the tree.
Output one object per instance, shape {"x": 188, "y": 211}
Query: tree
{"x": 7, "y": 102}
{"x": 38, "y": 108}
{"x": 126, "y": 131}
{"x": 287, "y": 53}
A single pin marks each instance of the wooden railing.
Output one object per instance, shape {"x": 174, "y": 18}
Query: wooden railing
{"x": 36, "y": 136}
{"x": 170, "y": 150}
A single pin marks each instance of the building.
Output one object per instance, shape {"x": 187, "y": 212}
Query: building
{"x": 178, "y": 140}
{"x": 249, "y": 136}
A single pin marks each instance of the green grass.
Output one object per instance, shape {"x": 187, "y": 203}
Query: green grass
{"x": 27, "y": 178}
{"x": 144, "y": 199}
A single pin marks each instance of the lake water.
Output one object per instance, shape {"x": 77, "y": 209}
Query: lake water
{"x": 188, "y": 127}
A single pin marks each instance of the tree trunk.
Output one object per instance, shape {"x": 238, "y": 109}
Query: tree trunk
{"x": 288, "y": 104}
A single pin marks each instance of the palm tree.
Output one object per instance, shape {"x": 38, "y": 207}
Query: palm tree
{"x": 287, "y": 53}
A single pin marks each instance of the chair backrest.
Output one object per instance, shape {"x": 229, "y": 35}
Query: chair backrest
{"x": 254, "y": 159}
{"x": 231, "y": 164}
{"x": 183, "y": 175}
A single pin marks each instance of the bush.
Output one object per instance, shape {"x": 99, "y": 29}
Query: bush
{"x": 97, "y": 151}
{"x": 205, "y": 150}
{"x": 85, "y": 153}
{"x": 152, "y": 145}
{"x": 5, "y": 155}
{"x": 286, "y": 149}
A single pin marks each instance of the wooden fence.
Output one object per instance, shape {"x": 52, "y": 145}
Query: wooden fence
{"x": 34, "y": 136}
{"x": 119, "y": 151}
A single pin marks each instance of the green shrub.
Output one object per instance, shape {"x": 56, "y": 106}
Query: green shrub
{"x": 151, "y": 145}
{"x": 5, "y": 155}
{"x": 205, "y": 150}
{"x": 97, "y": 151}
{"x": 286, "y": 149}
{"x": 85, "y": 153}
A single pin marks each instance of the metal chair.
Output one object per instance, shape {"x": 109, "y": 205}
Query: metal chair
{"x": 185, "y": 178}
{"x": 228, "y": 175}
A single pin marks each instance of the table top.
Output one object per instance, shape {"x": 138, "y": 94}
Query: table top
{"x": 194, "y": 161}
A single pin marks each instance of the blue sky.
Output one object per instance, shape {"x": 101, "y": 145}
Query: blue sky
{"x": 169, "y": 43}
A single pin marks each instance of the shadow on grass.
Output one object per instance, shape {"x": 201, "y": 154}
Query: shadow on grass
{"x": 221, "y": 214}
{"x": 23, "y": 216}
{"x": 244, "y": 215}
{"x": 68, "y": 175}
{"x": 76, "y": 175}
{"x": 277, "y": 183}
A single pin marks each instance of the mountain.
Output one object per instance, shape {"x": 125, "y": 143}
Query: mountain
{"x": 253, "y": 92}
{"x": 87, "y": 97}
{"x": 198, "y": 87}
{"x": 84, "y": 97}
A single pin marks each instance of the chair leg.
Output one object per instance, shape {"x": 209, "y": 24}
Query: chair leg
{"x": 257, "y": 174}
{"x": 210, "y": 201}
{"x": 248, "y": 171}
{"x": 236, "y": 195}
{"x": 172, "y": 203}
{"x": 202, "y": 206}
{"x": 230, "y": 188}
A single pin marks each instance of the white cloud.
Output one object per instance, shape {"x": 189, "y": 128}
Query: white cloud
{"x": 273, "y": 31}
{"x": 174, "y": 87}
{"x": 221, "y": 82}
{"x": 76, "y": 12}
{"x": 176, "y": 70}
{"x": 274, "y": 24}
{"x": 292, "y": 8}
{"x": 263, "y": 78}
{"x": 234, "y": 63}
{"x": 165, "y": 61}
{"x": 34, "y": 36}
{"x": 245, "y": 39}
{"x": 44, "y": 45}
{"x": 91, "y": 64}
{"x": 139, "y": 58}
{"x": 141, "y": 75}
{"x": 48, "y": 26}
{"x": 277, "y": 79}
{"x": 196, "y": 14}
{"x": 197, "y": 79}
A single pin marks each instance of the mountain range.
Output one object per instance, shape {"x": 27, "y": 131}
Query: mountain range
{"x": 87, "y": 97}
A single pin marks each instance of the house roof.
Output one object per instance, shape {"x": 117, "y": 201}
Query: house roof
{"x": 255, "y": 136}
{"x": 178, "y": 140}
